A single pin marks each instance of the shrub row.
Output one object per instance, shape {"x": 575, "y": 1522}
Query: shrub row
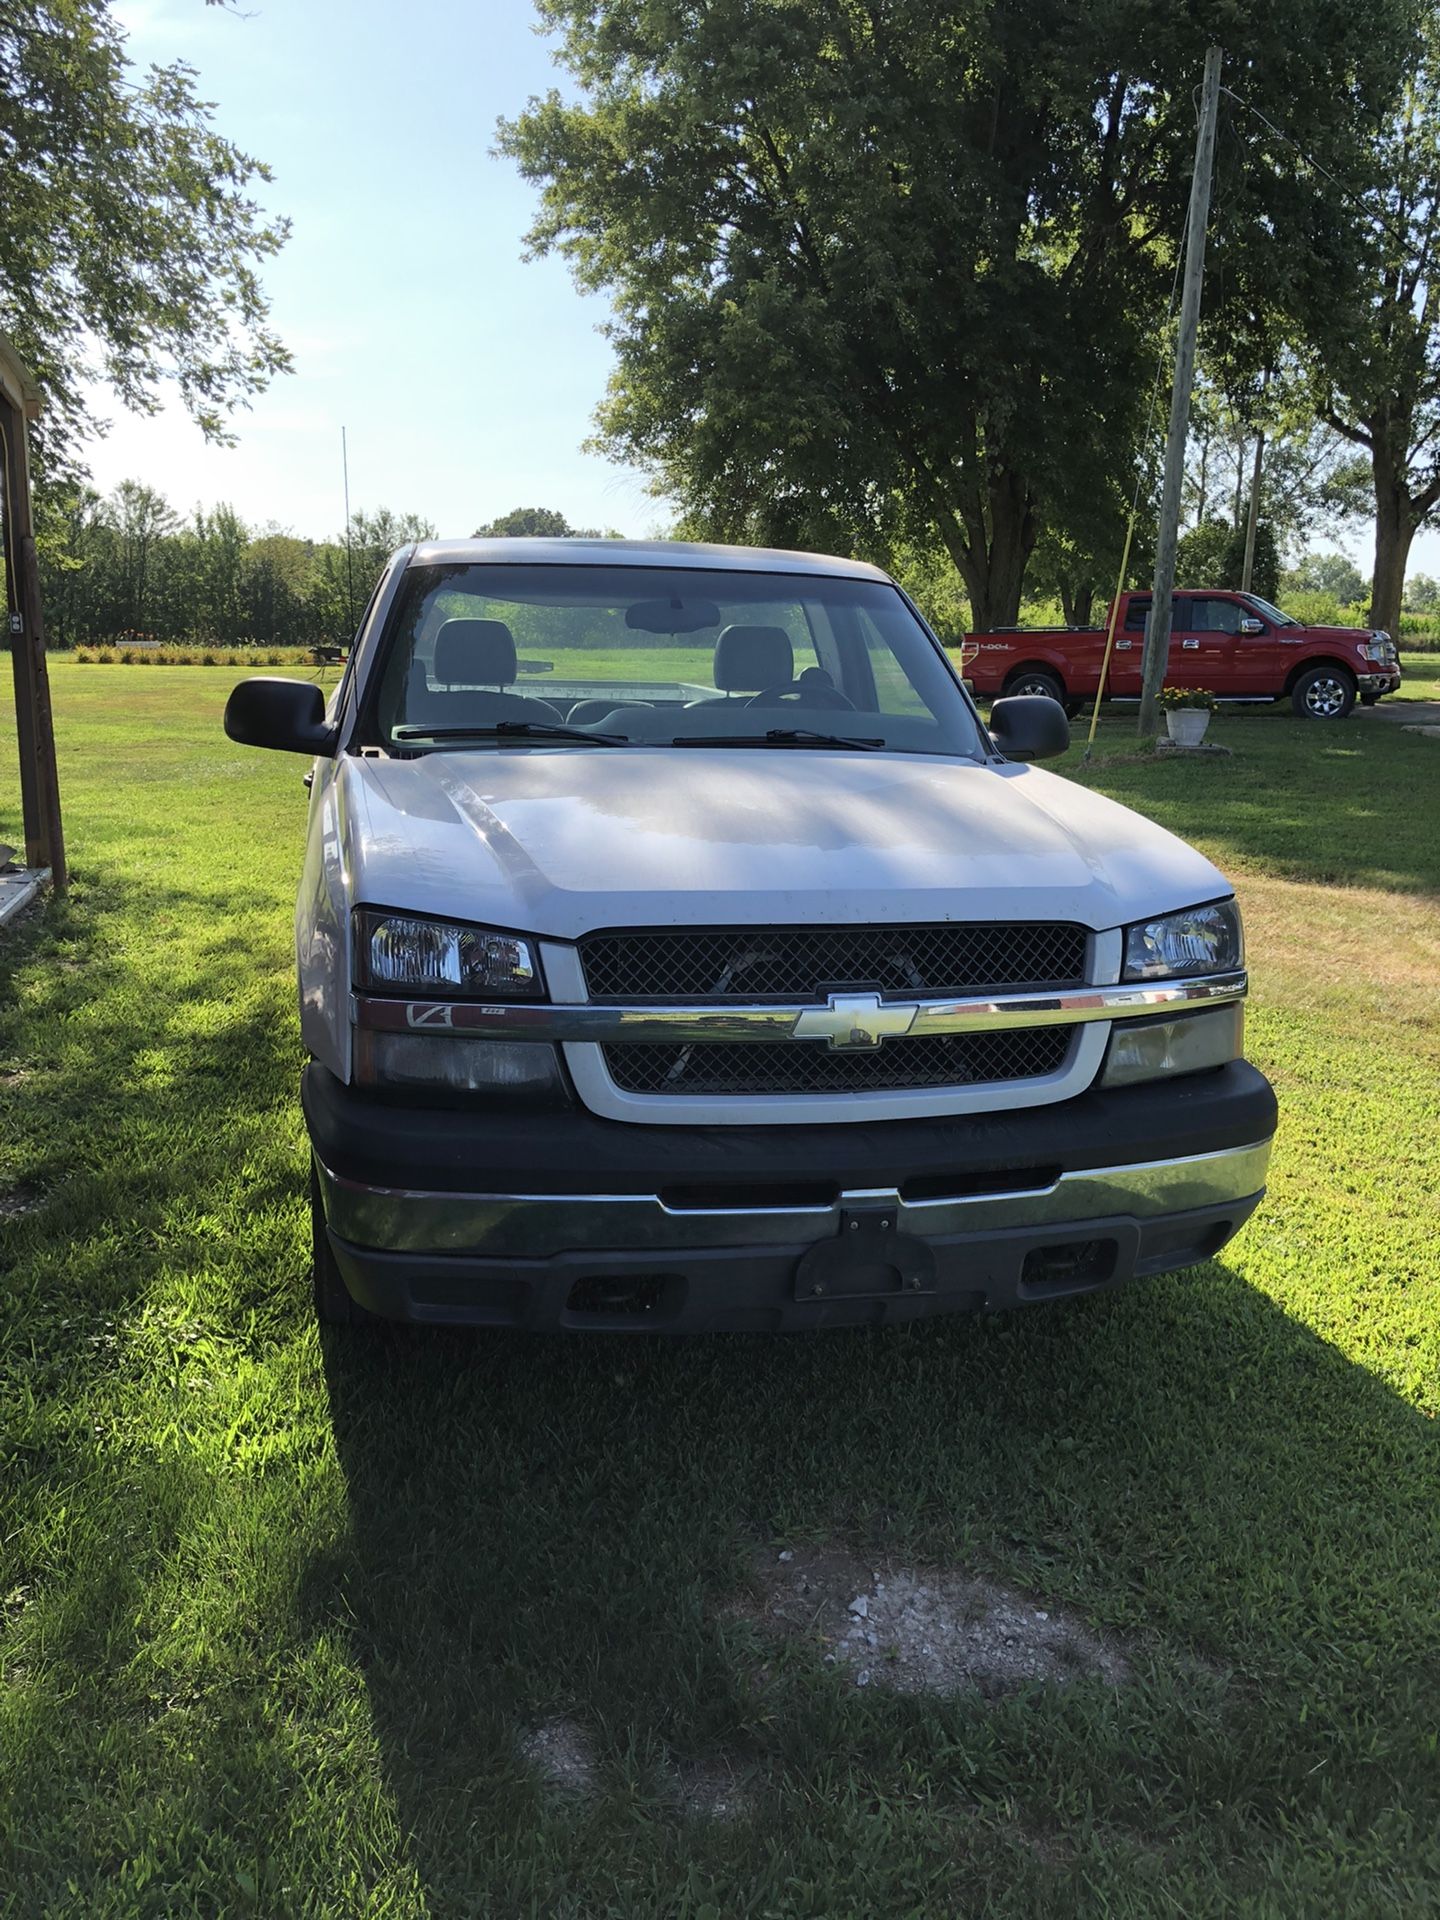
{"x": 195, "y": 656}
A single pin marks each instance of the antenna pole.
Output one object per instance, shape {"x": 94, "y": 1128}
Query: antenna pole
{"x": 1157, "y": 640}
{"x": 349, "y": 541}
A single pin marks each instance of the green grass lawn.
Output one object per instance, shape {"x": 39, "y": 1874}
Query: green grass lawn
{"x": 277, "y": 1611}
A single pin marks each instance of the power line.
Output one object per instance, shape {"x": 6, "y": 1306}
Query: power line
{"x": 1355, "y": 194}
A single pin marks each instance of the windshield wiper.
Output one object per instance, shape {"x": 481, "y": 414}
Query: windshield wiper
{"x": 513, "y": 730}
{"x": 776, "y": 737}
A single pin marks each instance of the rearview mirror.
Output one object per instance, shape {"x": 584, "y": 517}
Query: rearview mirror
{"x": 1252, "y": 626}
{"x": 1029, "y": 726}
{"x": 288, "y": 714}
{"x": 672, "y": 616}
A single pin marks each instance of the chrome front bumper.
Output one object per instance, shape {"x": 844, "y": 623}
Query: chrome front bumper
{"x": 543, "y": 1226}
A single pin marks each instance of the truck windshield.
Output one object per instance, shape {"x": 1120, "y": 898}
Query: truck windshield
{"x": 498, "y": 656}
{"x": 1271, "y": 613}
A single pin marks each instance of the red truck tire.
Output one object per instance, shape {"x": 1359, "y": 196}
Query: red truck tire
{"x": 1325, "y": 691}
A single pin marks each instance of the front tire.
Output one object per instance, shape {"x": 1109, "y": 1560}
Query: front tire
{"x": 334, "y": 1306}
{"x": 1323, "y": 693}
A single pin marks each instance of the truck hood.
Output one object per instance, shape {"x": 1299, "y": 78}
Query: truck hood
{"x": 557, "y": 842}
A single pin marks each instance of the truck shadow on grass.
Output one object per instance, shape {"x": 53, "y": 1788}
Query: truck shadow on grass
{"x": 548, "y": 1538}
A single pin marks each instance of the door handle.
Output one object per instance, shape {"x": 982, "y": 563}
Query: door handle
{"x": 1123, "y": 646}
{"x": 1190, "y": 646}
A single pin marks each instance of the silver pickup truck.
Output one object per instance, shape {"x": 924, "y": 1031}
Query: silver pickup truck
{"x": 678, "y": 949}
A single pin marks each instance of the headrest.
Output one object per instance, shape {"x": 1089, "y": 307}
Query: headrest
{"x": 474, "y": 653}
{"x": 753, "y": 659}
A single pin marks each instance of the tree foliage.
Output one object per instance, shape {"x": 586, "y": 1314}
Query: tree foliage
{"x": 897, "y": 268}
{"x": 1310, "y": 481}
{"x": 130, "y": 241}
{"x": 1377, "y": 365}
{"x": 544, "y": 523}
{"x": 130, "y": 565}
{"x": 1332, "y": 573}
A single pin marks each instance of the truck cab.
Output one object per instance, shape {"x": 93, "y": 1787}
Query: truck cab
{"x": 678, "y": 950}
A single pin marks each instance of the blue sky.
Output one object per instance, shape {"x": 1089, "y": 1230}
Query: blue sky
{"x": 465, "y": 376}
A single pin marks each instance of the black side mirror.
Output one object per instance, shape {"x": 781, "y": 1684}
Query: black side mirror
{"x": 288, "y": 714}
{"x": 1029, "y": 726}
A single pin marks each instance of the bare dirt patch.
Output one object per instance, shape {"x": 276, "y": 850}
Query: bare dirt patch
{"x": 15, "y": 1202}
{"x": 928, "y": 1631}
{"x": 711, "y": 1790}
{"x": 561, "y": 1753}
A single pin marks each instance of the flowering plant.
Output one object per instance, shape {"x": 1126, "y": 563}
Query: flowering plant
{"x": 1176, "y": 699}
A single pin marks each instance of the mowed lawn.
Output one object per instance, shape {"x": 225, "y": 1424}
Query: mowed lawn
{"x": 278, "y": 1612}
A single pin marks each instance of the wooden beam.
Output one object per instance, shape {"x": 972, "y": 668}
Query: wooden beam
{"x": 25, "y": 622}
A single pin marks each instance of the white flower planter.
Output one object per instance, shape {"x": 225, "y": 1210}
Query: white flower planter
{"x": 1186, "y": 725}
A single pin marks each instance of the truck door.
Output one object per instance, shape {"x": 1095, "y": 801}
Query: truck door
{"x": 1128, "y": 660}
{"x": 1207, "y": 639}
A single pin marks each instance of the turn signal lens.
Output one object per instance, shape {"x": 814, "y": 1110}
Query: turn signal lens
{"x": 1159, "y": 1049}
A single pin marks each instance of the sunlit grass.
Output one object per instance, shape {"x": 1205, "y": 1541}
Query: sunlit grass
{"x": 273, "y": 1614}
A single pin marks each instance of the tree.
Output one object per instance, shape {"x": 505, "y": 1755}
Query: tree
{"x": 348, "y": 570}
{"x": 1377, "y": 368}
{"x": 542, "y": 523}
{"x": 141, "y": 520}
{"x": 1331, "y": 573}
{"x": 899, "y": 268}
{"x": 1202, "y": 558}
{"x": 1309, "y": 477}
{"x": 1422, "y": 594}
{"x": 129, "y": 236}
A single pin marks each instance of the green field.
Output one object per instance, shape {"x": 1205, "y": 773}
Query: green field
{"x": 278, "y": 1612}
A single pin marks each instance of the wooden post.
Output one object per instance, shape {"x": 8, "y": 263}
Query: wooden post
{"x": 34, "y": 723}
{"x": 1157, "y": 639}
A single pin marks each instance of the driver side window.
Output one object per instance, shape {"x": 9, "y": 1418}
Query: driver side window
{"x": 1215, "y": 616}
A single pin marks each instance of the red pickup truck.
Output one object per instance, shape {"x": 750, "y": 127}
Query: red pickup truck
{"x": 1235, "y": 645}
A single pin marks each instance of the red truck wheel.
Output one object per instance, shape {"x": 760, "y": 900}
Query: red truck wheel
{"x": 1323, "y": 692}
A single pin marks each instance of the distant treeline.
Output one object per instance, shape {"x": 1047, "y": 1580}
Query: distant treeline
{"x": 129, "y": 567}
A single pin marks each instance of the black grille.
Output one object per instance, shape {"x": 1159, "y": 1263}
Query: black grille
{"x": 813, "y": 1066}
{"x": 799, "y": 963}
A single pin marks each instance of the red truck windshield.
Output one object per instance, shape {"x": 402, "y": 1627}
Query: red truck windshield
{"x": 1271, "y": 613}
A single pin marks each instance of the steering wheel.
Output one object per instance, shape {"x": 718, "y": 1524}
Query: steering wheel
{"x": 813, "y": 694}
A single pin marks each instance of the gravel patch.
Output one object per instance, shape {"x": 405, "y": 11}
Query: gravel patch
{"x": 560, "y": 1752}
{"x": 928, "y": 1631}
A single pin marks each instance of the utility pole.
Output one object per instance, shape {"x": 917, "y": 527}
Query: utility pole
{"x": 1157, "y": 639}
{"x": 1253, "y": 519}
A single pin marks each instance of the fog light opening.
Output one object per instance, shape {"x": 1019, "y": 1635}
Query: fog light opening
{"x": 619, "y": 1296}
{"x": 1068, "y": 1267}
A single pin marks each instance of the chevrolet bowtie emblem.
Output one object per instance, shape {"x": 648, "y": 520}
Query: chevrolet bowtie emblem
{"x": 854, "y": 1020}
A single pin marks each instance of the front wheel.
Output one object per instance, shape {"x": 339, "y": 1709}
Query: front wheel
{"x": 1323, "y": 693}
{"x": 1036, "y": 680}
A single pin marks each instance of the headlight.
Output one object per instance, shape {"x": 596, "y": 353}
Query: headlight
{"x": 1199, "y": 940}
{"x": 401, "y": 953}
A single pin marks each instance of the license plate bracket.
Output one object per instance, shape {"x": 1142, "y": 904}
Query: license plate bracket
{"x": 868, "y": 1258}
